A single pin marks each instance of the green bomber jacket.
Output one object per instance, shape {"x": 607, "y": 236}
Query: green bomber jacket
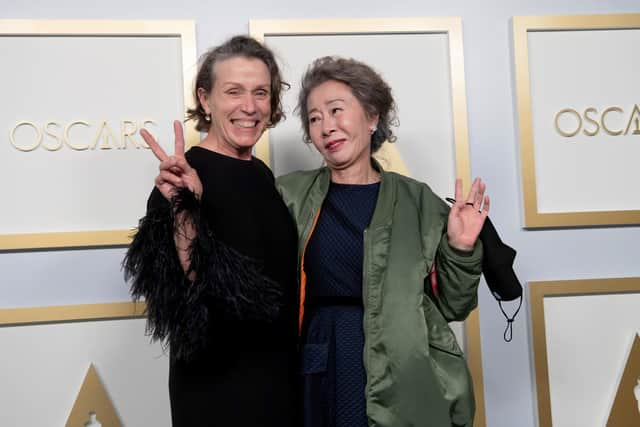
{"x": 416, "y": 373}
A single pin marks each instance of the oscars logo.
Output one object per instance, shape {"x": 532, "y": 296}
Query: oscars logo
{"x": 78, "y": 135}
{"x": 610, "y": 121}
{"x": 625, "y": 411}
{"x": 93, "y": 399}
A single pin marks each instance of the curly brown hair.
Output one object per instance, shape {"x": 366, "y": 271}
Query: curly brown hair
{"x": 242, "y": 46}
{"x": 369, "y": 88}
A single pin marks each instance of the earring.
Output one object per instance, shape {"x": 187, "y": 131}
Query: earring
{"x": 207, "y": 117}
{"x": 372, "y": 130}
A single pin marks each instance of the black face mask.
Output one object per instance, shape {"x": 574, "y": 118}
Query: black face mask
{"x": 497, "y": 267}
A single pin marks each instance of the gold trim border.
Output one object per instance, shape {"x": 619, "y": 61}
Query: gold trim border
{"x": 452, "y": 26}
{"x": 71, "y": 313}
{"x": 23, "y": 27}
{"x": 521, "y": 26}
{"x": 537, "y": 293}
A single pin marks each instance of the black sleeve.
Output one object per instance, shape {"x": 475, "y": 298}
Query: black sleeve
{"x": 156, "y": 200}
{"x": 178, "y": 309}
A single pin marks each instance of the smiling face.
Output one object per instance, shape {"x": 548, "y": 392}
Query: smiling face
{"x": 239, "y": 104}
{"x": 339, "y": 127}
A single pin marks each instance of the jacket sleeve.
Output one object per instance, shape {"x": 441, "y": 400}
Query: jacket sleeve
{"x": 227, "y": 282}
{"x": 458, "y": 276}
{"x": 457, "y": 273}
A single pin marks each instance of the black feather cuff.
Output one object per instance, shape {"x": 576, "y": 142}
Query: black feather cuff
{"x": 178, "y": 310}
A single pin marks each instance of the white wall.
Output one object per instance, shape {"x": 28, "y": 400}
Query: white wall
{"x": 66, "y": 277}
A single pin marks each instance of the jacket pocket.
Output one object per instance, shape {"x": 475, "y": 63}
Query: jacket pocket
{"x": 316, "y": 394}
{"x": 450, "y": 366}
{"x": 440, "y": 336}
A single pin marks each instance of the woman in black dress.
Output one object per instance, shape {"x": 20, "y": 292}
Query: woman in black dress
{"x": 215, "y": 255}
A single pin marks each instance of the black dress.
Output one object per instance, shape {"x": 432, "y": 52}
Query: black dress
{"x": 232, "y": 364}
{"x": 334, "y": 377}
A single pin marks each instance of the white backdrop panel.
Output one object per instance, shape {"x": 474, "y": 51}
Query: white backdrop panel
{"x": 70, "y": 78}
{"x": 588, "y": 341}
{"x": 578, "y": 70}
{"x": 43, "y": 367}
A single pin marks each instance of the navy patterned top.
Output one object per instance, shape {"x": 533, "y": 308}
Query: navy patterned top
{"x": 333, "y": 371}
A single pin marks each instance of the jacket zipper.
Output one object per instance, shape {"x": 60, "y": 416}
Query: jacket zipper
{"x": 366, "y": 311}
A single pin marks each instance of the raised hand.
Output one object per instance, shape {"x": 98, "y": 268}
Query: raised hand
{"x": 467, "y": 216}
{"x": 175, "y": 171}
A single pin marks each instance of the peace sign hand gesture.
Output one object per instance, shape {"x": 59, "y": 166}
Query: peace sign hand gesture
{"x": 175, "y": 171}
{"x": 467, "y": 217}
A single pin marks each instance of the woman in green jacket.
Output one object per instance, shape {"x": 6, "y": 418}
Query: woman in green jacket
{"x": 377, "y": 348}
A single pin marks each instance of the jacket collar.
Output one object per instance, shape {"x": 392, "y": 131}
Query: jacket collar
{"x": 386, "y": 195}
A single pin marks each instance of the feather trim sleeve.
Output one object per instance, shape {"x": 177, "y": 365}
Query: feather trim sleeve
{"x": 228, "y": 283}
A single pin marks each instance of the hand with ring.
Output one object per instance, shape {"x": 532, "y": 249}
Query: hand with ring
{"x": 467, "y": 216}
